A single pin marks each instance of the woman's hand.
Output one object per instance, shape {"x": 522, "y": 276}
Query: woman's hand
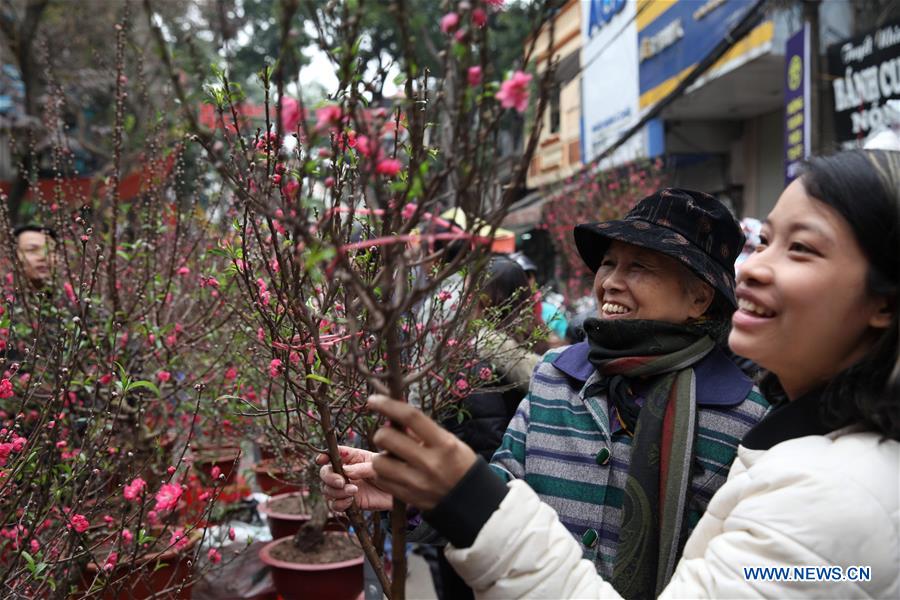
{"x": 357, "y": 465}
{"x": 423, "y": 461}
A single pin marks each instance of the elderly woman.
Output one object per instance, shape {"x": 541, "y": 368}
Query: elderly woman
{"x": 628, "y": 434}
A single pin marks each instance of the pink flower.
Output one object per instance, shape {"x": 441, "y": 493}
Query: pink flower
{"x": 79, "y": 523}
{"x": 214, "y": 556}
{"x": 35, "y": 546}
{"x": 111, "y": 561}
{"x": 329, "y": 182}
{"x": 70, "y": 292}
{"x": 388, "y": 166}
{"x": 290, "y": 114}
{"x": 127, "y": 536}
{"x": 18, "y": 444}
{"x": 494, "y": 3}
{"x": 135, "y": 489}
{"x": 231, "y": 534}
{"x": 473, "y": 75}
{"x": 514, "y": 91}
{"x": 449, "y": 22}
{"x": 479, "y": 18}
{"x": 275, "y": 367}
{"x": 105, "y": 379}
{"x": 462, "y": 385}
{"x": 184, "y": 271}
{"x": 167, "y": 496}
{"x": 179, "y": 540}
{"x": 216, "y": 471}
{"x": 170, "y": 470}
{"x": 484, "y": 374}
{"x": 6, "y": 388}
{"x": 328, "y": 117}
{"x": 230, "y": 374}
{"x": 163, "y": 376}
{"x": 444, "y": 295}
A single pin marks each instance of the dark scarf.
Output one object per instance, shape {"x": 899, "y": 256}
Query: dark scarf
{"x": 661, "y": 356}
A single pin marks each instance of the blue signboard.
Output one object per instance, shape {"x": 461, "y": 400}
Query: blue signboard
{"x": 680, "y": 36}
{"x": 796, "y": 102}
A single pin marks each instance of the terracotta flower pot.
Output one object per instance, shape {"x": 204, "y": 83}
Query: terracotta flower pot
{"x": 336, "y": 580}
{"x": 273, "y": 479}
{"x": 227, "y": 459}
{"x": 149, "y": 575}
{"x": 284, "y": 523}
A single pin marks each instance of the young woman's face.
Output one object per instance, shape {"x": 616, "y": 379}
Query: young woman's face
{"x": 804, "y": 312}
{"x": 637, "y": 283}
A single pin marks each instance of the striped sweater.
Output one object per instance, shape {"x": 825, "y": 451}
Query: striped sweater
{"x": 575, "y": 456}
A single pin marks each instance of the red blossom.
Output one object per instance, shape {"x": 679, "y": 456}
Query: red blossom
{"x": 79, "y": 523}
{"x": 6, "y": 388}
{"x": 214, "y": 556}
{"x": 479, "y": 18}
{"x": 275, "y": 367}
{"x": 388, "y": 167}
{"x": 135, "y": 489}
{"x": 449, "y": 22}
{"x": 163, "y": 376}
{"x": 473, "y": 75}
{"x": 328, "y": 117}
{"x": 167, "y": 496}
{"x": 514, "y": 91}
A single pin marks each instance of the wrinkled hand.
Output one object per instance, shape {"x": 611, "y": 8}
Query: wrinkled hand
{"x": 425, "y": 461}
{"x": 357, "y": 465}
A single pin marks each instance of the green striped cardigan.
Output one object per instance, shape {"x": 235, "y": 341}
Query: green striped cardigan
{"x": 569, "y": 450}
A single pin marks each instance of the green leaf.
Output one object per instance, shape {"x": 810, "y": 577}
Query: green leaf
{"x": 319, "y": 378}
{"x": 144, "y": 384}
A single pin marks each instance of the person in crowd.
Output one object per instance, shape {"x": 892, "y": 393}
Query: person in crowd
{"x": 35, "y": 250}
{"x": 815, "y": 484}
{"x": 647, "y": 413}
{"x": 553, "y": 316}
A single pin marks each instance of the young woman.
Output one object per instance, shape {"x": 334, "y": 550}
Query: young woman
{"x": 816, "y": 484}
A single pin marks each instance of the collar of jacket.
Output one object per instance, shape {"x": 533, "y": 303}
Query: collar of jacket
{"x": 719, "y": 381}
{"x": 798, "y": 418}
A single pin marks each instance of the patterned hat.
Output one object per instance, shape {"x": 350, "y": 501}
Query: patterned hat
{"x": 691, "y": 227}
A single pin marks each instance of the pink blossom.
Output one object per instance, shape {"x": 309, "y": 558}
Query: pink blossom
{"x": 290, "y": 114}
{"x": 444, "y": 295}
{"x": 230, "y": 374}
{"x": 79, "y": 523}
{"x": 328, "y": 117}
{"x": 135, "y": 489}
{"x": 494, "y": 3}
{"x": 6, "y": 388}
{"x": 462, "y": 385}
{"x": 216, "y": 471}
{"x": 170, "y": 470}
{"x": 35, "y": 546}
{"x": 214, "y": 556}
{"x": 184, "y": 271}
{"x": 449, "y": 22}
{"x": 179, "y": 540}
{"x": 473, "y": 76}
{"x": 18, "y": 444}
{"x": 460, "y": 35}
{"x": 70, "y": 292}
{"x": 163, "y": 376}
{"x": 484, "y": 374}
{"x": 479, "y": 18}
{"x": 127, "y": 536}
{"x": 105, "y": 379}
{"x": 389, "y": 167}
{"x": 329, "y": 182}
{"x": 514, "y": 91}
{"x": 231, "y": 534}
{"x": 167, "y": 496}
{"x": 111, "y": 561}
{"x": 275, "y": 367}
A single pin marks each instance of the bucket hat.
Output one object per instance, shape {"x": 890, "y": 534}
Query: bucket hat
{"x": 692, "y": 227}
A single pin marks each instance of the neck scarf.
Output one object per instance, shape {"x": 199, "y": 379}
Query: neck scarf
{"x": 661, "y": 356}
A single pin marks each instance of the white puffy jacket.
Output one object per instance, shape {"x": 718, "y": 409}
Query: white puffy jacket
{"x": 819, "y": 501}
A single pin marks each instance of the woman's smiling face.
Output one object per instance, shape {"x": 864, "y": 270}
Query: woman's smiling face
{"x": 637, "y": 283}
{"x": 804, "y": 312}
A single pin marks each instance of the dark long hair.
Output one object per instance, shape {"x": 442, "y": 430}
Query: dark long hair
{"x": 863, "y": 186}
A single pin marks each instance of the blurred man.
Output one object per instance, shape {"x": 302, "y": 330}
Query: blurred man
{"x": 35, "y": 249}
